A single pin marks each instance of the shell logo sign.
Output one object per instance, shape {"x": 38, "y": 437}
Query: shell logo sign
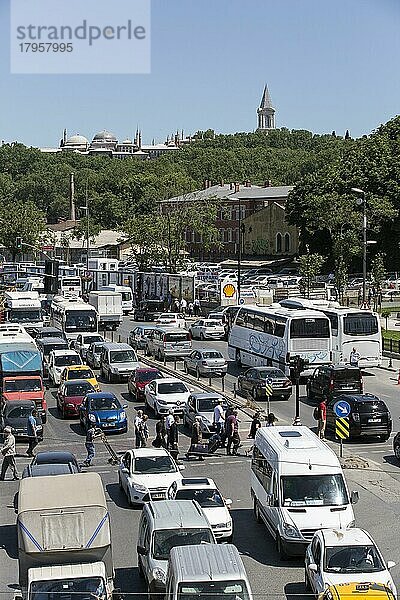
{"x": 229, "y": 290}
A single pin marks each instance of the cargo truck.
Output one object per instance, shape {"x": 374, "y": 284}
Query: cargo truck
{"x": 109, "y": 307}
{"x": 64, "y": 539}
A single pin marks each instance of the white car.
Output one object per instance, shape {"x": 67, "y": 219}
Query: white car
{"x": 58, "y": 360}
{"x": 146, "y": 474}
{"x": 214, "y": 505}
{"x": 207, "y": 329}
{"x": 172, "y": 319}
{"x": 163, "y": 395}
{"x": 83, "y": 341}
{"x": 345, "y": 556}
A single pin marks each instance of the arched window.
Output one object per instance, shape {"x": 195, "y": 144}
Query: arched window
{"x": 278, "y": 243}
{"x": 287, "y": 242}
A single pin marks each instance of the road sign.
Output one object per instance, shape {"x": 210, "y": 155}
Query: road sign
{"x": 268, "y": 387}
{"x": 342, "y": 408}
{"x": 47, "y": 248}
{"x": 342, "y": 428}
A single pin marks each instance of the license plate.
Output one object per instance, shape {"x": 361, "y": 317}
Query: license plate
{"x": 157, "y": 496}
{"x": 374, "y": 420}
{"x": 109, "y": 425}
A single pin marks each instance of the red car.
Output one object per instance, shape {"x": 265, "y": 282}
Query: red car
{"x": 70, "y": 396}
{"x": 139, "y": 379}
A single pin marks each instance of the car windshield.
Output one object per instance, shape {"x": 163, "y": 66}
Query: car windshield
{"x": 314, "y": 490}
{"x": 211, "y": 354}
{"x": 23, "y": 385}
{"x": 20, "y": 412}
{"x": 207, "y": 404}
{"x": 82, "y": 320}
{"x": 148, "y": 376}
{"x": 90, "y": 339}
{"x": 78, "y": 389}
{"x": 175, "y": 387}
{"x": 165, "y": 316}
{"x": 154, "y": 464}
{"x": 166, "y": 539}
{"x": 271, "y": 373}
{"x": 347, "y": 375}
{"x": 80, "y": 374}
{"x": 78, "y": 588}
{"x": 352, "y": 559}
{"x": 371, "y": 406}
{"x": 360, "y": 324}
{"x": 104, "y": 404}
{"x": 229, "y": 590}
{"x": 67, "y": 361}
{"x": 122, "y": 356}
{"x": 208, "y": 498}
{"x": 47, "y": 348}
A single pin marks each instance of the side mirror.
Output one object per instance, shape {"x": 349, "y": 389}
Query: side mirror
{"x": 124, "y": 406}
{"x": 390, "y": 564}
{"x": 141, "y": 550}
{"x": 124, "y": 470}
{"x": 313, "y": 567}
{"x": 228, "y": 501}
{"x": 191, "y": 390}
{"x": 181, "y": 467}
{"x": 354, "y": 498}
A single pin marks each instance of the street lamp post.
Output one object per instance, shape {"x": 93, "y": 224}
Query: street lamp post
{"x": 361, "y": 201}
{"x": 239, "y": 257}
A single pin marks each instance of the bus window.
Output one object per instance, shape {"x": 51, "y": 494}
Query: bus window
{"x": 309, "y": 328}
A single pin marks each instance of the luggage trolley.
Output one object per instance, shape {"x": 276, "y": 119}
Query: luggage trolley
{"x": 114, "y": 458}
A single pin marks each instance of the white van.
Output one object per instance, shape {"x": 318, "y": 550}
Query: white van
{"x": 297, "y": 487}
{"x": 171, "y": 342}
{"x": 212, "y": 571}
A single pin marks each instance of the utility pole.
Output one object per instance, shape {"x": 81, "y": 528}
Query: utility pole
{"x": 297, "y": 364}
{"x": 361, "y": 201}
{"x": 239, "y": 252}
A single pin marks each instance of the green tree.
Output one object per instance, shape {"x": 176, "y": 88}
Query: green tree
{"x": 24, "y": 220}
{"x": 310, "y": 267}
{"x": 144, "y": 234}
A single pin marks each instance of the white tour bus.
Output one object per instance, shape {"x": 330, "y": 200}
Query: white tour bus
{"x": 267, "y": 336}
{"x": 297, "y": 487}
{"x": 73, "y": 316}
{"x": 351, "y": 328}
{"x": 126, "y": 293}
{"x": 70, "y": 286}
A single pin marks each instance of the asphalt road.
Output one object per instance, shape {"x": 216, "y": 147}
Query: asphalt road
{"x": 377, "y": 510}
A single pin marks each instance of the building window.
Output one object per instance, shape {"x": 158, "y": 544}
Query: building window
{"x": 287, "y": 242}
{"x": 222, "y": 235}
{"x": 278, "y": 243}
{"x": 230, "y": 236}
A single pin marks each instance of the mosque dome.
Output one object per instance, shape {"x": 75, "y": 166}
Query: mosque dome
{"x": 104, "y": 136}
{"x": 76, "y": 140}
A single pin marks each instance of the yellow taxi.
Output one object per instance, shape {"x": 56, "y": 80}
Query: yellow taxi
{"x": 80, "y": 372}
{"x": 353, "y": 591}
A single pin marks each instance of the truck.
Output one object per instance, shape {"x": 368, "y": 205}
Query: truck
{"x": 64, "y": 538}
{"x": 24, "y": 308}
{"x": 21, "y": 376}
{"x": 126, "y": 293}
{"x": 109, "y": 307}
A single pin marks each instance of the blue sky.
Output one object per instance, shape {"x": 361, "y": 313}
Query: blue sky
{"x": 329, "y": 64}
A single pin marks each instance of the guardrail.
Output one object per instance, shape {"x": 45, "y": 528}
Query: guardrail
{"x": 391, "y": 346}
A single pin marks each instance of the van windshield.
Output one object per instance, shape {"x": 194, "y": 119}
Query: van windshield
{"x": 122, "y": 356}
{"x": 314, "y": 490}
{"x": 177, "y": 336}
{"x": 80, "y": 588}
{"x": 166, "y": 539}
{"x": 232, "y": 590}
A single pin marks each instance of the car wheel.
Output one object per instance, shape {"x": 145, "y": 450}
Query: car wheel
{"x": 128, "y": 495}
{"x": 64, "y": 416}
{"x": 282, "y": 554}
{"x": 256, "y": 511}
{"x": 396, "y": 449}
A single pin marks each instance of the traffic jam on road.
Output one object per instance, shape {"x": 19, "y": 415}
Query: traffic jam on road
{"x": 190, "y": 456}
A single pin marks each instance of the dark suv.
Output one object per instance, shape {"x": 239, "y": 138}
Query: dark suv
{"x": 369, "y": 416}
{"x": 331, "y": 381}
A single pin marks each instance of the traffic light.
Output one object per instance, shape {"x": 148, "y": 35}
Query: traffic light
{"x": 51, "y": 276}
{"x": 18, "y": 243}
{"x": 298, "y": 364}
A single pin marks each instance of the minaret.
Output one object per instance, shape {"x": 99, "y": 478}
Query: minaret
{"x": 266, "y": 112}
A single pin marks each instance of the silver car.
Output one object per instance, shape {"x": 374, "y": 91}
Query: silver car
{"x": 206, "y": 362}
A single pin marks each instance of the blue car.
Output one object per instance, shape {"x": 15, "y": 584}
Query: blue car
{"x": 105, "y": 411}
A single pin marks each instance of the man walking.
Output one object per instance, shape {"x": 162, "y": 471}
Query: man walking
{"x": 8, "y": 452}
{"x": 196, "y": 439}
{"x": 219, "y": 417}
{"x": 232, "y": 430}
{"x": 354, "y": 358}
{"x": 89, "y": 444}
{"x": 32, "y": 432}
{"x": 137, "y": 426}
{"x": 196, "y": 306}
{"x": 322, "y": 419}
{"x": 161, "y": 433}
{"x": 173, "y": 439}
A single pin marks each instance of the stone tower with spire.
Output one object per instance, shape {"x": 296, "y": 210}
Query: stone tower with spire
{"x": 266, "y": 112}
